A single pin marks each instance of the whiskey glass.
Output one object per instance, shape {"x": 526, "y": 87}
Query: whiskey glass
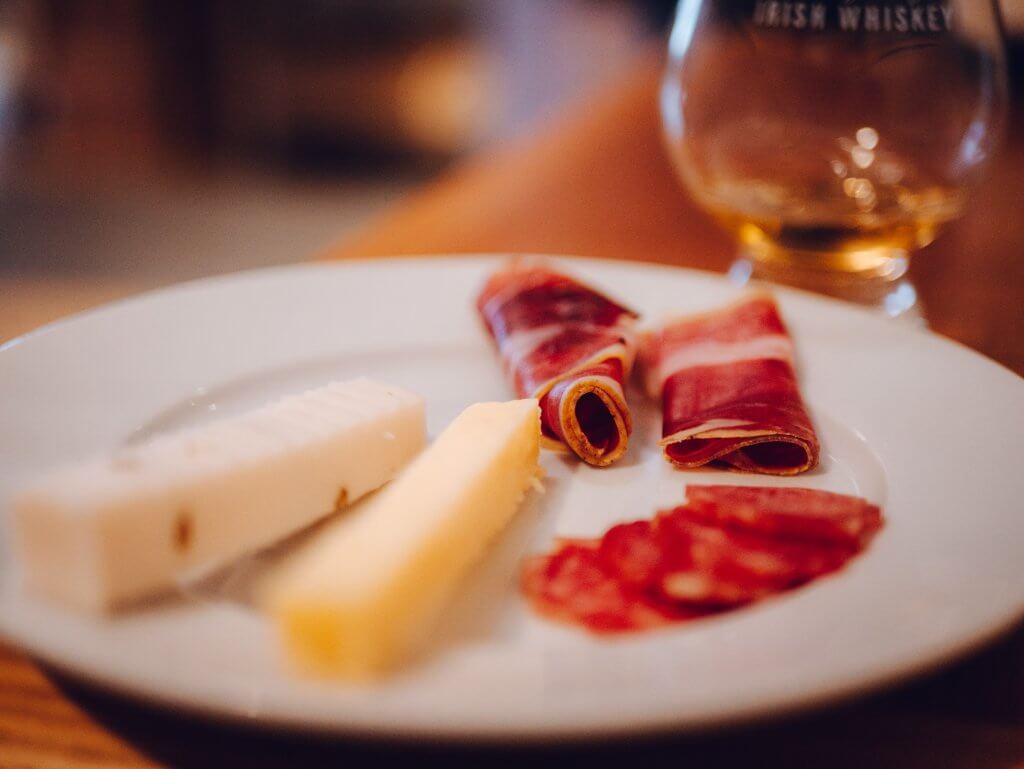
{"x": 834, "y": 137}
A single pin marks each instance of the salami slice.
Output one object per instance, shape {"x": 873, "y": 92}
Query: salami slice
{"x": 633, "y": 553}
{"x": 569, "y": 346}
{"x": 729, "y": 391}
{"x": 728, "y": 567}
{"x": 804, "y": 514}
{"x": 572, "y": 585}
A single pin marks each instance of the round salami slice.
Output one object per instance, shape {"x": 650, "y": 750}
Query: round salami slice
{"x": 728, "y": 567}
{"x": 805, "y": 514}
{"x": 572, "y": 585}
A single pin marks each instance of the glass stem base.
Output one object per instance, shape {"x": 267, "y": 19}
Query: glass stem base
{"x": 888, "y": 291}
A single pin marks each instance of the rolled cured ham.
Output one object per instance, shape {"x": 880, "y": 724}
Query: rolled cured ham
{"x": 729, "y": 391}
{"x": 569, "y": 346}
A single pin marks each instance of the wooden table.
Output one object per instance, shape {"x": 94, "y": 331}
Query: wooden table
{"x": 596, "y": 182}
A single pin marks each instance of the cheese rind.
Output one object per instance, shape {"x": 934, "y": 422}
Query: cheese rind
{"x": 363, "y": 595}
{"x": 119, "y": 527}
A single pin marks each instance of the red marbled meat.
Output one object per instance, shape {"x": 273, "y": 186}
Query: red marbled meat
{"x": 569, "y": 346}
{"x": 693, "y": 561}
{"x": 822, "y": 516}
{"x": 729, "y": 392}
{"x": 571, "y": 585}
{"x": 729, "y": 567}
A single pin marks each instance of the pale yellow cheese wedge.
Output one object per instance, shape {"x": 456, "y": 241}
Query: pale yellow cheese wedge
{"x": 362, "y": 595}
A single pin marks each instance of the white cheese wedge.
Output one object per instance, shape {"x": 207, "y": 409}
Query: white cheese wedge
{"x": 117, "y": 528}
{"x": 361, "y": 596}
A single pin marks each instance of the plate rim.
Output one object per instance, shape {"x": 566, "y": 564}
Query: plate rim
{"x": 374, "y": 261}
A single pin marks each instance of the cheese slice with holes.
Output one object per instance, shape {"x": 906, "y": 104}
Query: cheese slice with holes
{"x": 119, "y": 527}
{"x": 365, "y": 593}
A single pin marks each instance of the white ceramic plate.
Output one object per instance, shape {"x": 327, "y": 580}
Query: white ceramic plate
{"x": 929, "y": 429}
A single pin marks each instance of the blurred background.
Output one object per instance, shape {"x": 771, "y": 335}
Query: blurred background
{"x": 147, "y": 142}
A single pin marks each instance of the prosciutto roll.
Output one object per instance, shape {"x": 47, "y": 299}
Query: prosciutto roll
{"x": 729, "y": 391}
{"x": 570, "y": 347}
